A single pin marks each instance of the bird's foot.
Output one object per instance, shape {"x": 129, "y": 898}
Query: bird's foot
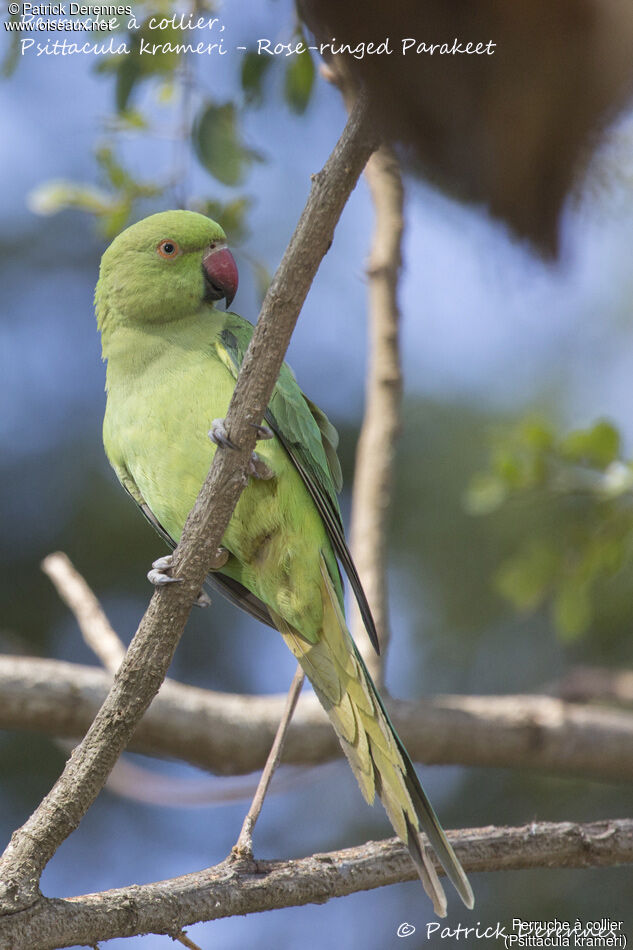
{"x": 220, "y": 559}
{"x": 257, "y": 468}
{"x": 158, "y": 575}
{"x": 219, "y": 435}
{"x": 263, "y": 432}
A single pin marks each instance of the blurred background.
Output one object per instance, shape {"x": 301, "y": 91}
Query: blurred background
{"x": 510, "y": 546}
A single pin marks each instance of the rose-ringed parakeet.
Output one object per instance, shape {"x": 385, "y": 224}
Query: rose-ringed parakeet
{"x": 172, "y": 363}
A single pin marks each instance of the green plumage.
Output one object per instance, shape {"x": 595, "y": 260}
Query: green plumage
{"x": 173, "y": 359}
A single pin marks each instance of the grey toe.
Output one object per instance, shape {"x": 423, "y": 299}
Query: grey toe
{"x": 157, "y": 575}
{"x": 263, "y": 432}
{"x": 257, "y": 468}
{"x": 219, "y": 435}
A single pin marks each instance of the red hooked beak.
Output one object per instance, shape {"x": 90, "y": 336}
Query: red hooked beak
{"x": 220, "y": 274}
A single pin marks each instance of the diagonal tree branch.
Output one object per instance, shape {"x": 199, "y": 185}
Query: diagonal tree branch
{"x": 127, "y": 778}
{"x": 93, "y": 623}
{"x": 232, "y": 888}
{"x": 231, "y": 734}
{"x": 155, "y": 641}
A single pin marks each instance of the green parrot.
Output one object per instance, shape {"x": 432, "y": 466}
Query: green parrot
{"x": 172, "y": 363}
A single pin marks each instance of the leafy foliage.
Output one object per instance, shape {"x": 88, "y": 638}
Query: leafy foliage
{"x": 111, "y": 204}
{"x": 579, "y": 490}
{"x": 253, "y": 72}
{"x": 299, "y": 81}
{"x": 218, "y": 144}
{"x": 232, "y": 214}
{"x": 208, "y": 129}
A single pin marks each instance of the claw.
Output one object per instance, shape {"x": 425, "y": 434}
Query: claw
{"x": 263, "y": 432}
{"x": 158, "y": 576}
{"x": 221, "y": 557}
{"x": 219, "y": 435}
{"x": 258, "y": 468}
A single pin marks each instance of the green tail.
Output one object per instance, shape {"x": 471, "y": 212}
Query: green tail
{"x": 376, "y": 754}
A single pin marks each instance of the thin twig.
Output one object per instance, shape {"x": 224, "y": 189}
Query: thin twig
{"x": 232, "y": 734}
{"x": 244, "y": 846}
{"x": 159, "y": 632}
{"x": 185, "y": 941}
{"x": 230, "y": 889}
{"x": 93, "y": 623}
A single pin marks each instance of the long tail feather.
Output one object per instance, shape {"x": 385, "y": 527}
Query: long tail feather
{"x": 426, "y": 870}
{"x": 376, "y": 754}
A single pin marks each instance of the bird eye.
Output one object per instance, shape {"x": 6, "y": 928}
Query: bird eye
{"x": 168, "y": 249}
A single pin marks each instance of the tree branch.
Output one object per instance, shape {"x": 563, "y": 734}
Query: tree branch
{"x": 375, "y": 453}
{"x": 93, "y": 623}
{"x": 126, "y": 778}
{"x": 233, "y": 888}
{"x": 589, "y": 684}
{"x": 232, "y": 734}
{"x": 155, "y": 641}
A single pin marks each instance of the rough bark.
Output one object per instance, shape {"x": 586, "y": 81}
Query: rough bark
{"x": 235, "y": 887}
{"x": 232, "y": 734}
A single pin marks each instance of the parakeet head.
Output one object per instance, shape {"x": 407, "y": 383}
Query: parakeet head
{"x": 163, "y": 268}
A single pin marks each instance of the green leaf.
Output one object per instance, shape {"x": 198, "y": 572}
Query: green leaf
{"x": 127, "y": 76}
{"x": 111, "y": 211}
{"x": 526, "y": 578}
{"x": 112, "y": 168}
{"x": 299, "y": 81}
{"x": 485, "y": 494}
{"x": 536, "y": 433}
{"x": 230, "y": 215}
{"x": 218, "y": 145}
{"x": 132, "y": 120}
{"x": 114, "y": 221}
{"x": 54, "y": 196}
{"x": 572, "y": 609}
{"x": 254, "y": 69}
{"x": 135, "y": 67}
{"x": 597, "y": 446}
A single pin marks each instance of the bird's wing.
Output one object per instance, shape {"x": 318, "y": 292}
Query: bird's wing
{"x": 235, "y": 592}
{"x": 310, "y": 440}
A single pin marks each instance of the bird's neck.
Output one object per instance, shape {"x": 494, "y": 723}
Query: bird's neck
{"x": 132, "y": 349}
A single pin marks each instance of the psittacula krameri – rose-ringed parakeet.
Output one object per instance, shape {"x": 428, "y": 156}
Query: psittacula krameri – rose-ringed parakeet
{"x": 172, "y": 362}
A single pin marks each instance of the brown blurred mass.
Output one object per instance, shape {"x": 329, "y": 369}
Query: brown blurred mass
{"x": 509, "y": 129}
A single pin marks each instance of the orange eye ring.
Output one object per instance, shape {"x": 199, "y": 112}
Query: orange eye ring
{"x": 168, "y": 249}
